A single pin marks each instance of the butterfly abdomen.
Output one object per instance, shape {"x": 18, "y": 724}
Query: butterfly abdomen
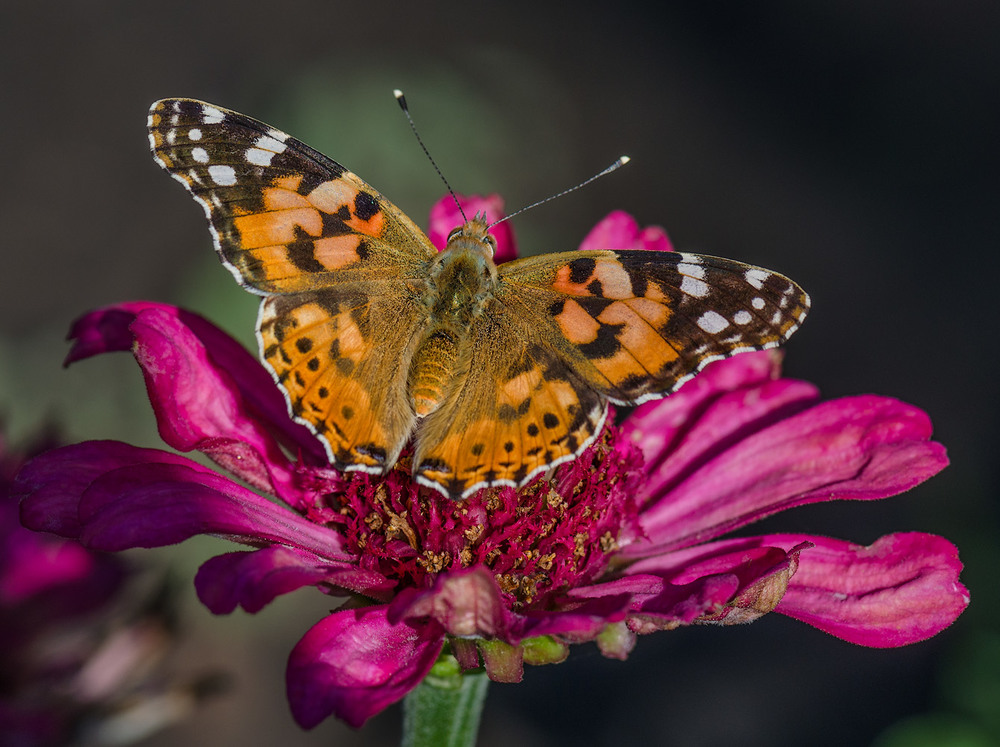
{"x": 432, "y": 370}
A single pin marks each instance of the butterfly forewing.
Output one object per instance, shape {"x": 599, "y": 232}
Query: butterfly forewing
{"x": 285, "y": 218}
{"x": 639, "y": 324}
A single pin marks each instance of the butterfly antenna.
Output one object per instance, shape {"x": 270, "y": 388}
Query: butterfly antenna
{"x": 402, "y": 105}
{"x": 622, "y": 160}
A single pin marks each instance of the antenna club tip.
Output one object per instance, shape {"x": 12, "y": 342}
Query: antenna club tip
{"x": 397, "y": 93}
{"x": 623, "y": 160}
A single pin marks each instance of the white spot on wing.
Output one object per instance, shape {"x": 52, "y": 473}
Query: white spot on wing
{"x": 757, "y": 303}
{"x": 266, "y": 142}
{"x": 194, "y": 134}
{"x": 694, "y": 287}
{"x": 200, "y": 155}
{"x": 712, "y": 322}
{"x": 211, "y": 115}
{"x": 756, "y": 277}
{"x": 224, "y": 176}
{"x": 259, "y": 157}
{"x": 695, "y": 271}
{"x": 742, "y": 317}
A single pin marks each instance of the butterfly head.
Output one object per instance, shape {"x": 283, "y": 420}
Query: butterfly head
{"x": 473, "y": 236}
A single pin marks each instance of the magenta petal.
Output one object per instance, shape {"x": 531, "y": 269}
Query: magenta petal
{"x": 656, "y": 603}
{"x": 156, "y": 504}
{"x": 50, "y": 485}
{"x": 354, "y": 663}
{"x": 465, "y": 603}
{"x": 658, "y": 426}
{"x": 110, "y": 329}
{"x": 901, "y": 589}
{"x": 198, "y": 405}
{"x": 251, "y": 580}
{"x": 858, "y": 448}
{"x": 445, "y": 217}
{"x": 673, "y": 452}
{"x": 619, "y": 230}
{"x": 106, "y": 330}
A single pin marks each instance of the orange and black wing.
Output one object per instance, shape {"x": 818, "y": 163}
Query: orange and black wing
{"x": 285, "y": 218}
{"x": 341, "y": 269}
{"x": 638, "y": 324}
{"x": 565, "y": 333}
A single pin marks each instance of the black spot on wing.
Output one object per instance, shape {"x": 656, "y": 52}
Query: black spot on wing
{"x": 606, "y": 344}
{"x": 580, "y": 270}
{"x": 365, "y": 206}
{"x": 302, "y": 254}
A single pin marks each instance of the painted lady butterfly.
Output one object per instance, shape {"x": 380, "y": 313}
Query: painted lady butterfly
{"x": 496, "y": 372}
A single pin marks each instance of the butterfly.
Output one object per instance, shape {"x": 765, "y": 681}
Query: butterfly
{"x": 496, "y": 372}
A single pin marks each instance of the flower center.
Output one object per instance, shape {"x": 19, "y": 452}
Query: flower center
{"x": 551, "y": 535}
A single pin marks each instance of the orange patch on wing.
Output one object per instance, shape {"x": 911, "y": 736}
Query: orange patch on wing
{"x": 577, "y": 325}
{"x": 637, "y": 336}
{"x": 308, "y": 315}
{"x": 518, "y": 389}
{"x": 331, "y": 196}
{"x": 562, "y": 283}
{"x": 619, "y": 367}
{"x": 615, "y": 280}
{"x": 657, "y": 314}
{"x": 352, "y": 343}
{"x": 267, "y": 229}
{"x": 290, "y": 183}
{"x": 274, "y": 262}
{"x": 335, "y": 252}
{"x": 374, "y": 226}
{"x": 282, "y": 198}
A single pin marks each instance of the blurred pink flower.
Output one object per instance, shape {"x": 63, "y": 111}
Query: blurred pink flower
{"x": 81, "y": 651}
{"x": 622, "y": 541}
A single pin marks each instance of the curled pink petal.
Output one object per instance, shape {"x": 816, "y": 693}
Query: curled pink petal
{"x": 619, "y": 230}
{"x": 110, "y": 329}
{"x": 901, "y": 589}
{"x": 445, "y": 217}
{"x": 51, "y": 485}
{"x": 252, "y": 580}
{"x": 354, "y": 662}
{"x": 464, "y": 603}
{"x": 157, "y": 504}
{"x": 198, "y": 405}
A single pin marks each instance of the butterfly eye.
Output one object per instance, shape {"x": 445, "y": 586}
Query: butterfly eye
{"x": 491, "y": 240}
{"x": 454, "y": 232}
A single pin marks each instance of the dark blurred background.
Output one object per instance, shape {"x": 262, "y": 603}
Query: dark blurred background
{"x": 851, "y": 146}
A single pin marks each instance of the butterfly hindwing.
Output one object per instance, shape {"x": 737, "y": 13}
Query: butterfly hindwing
{"x": 285, "y": 218}
{"x": 342, "y": 355}
{"x": 520, "y": 410}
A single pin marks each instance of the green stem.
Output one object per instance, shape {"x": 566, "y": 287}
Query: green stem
{"x": 444, "y": 709}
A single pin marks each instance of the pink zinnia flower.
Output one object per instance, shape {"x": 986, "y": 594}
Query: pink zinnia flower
{"x": 622, "y": 541}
